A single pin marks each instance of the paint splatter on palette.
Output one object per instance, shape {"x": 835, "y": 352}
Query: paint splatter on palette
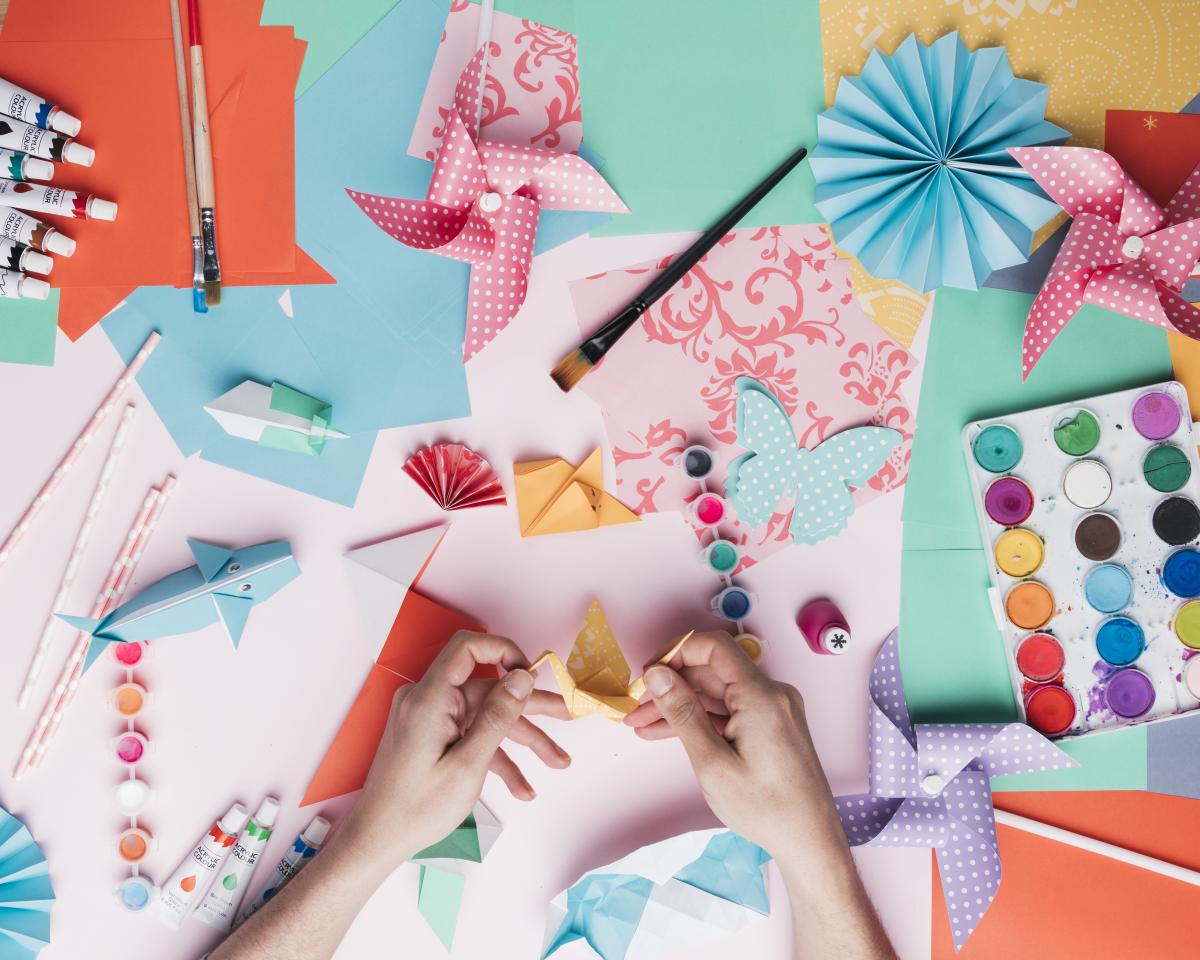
{"x": 1091, "y": 514}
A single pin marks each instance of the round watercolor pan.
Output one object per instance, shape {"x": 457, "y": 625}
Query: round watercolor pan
{"x": 1166, "y": 468}
{"x": 1129, "y": 693}
{"x": 1156, "y": 415}
{"x": 1097, "y": 536}
{"x": 1050, "y": 710}
{"x": 1087, "y": 484}
{"x": 1076, "y": 432}
{"x": 1181, "y": 573}
{"x": 1108, "y": 588}
{"x": 1187, "y": 624}
{"x": 1191, "y": 676}
{"x": 1120, "y": 641}
{"x": 1040, "y": 657}
{"x": 1176, "y": 521}
{"x": 1029, "y": 605}
{"x": 997, "y": 448}
{"x": 1019, "y": 552}
{"x": 1008, "y": 501}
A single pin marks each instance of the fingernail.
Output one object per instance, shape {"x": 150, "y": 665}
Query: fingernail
{"x": 519, "y": 683}
{"x": 659, "y": 680}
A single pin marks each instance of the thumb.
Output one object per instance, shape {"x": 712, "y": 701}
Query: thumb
{"x": 496, "y": 717}
{"x": 685, "y": 714}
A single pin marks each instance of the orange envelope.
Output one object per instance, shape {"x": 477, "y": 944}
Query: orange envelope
{"x": 555, "y": 497}
{"x": 420, "y": 631}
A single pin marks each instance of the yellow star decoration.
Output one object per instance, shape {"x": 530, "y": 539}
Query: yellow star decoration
{"x": 1149, "y": 122}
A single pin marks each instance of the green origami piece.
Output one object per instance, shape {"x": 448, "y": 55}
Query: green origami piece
{"x": 277, "y": 417}
{"x": 442, "y": 881}
{"x": 439, "y": 898}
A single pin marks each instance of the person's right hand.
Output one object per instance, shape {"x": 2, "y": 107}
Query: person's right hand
{"x": 748, "y": 741}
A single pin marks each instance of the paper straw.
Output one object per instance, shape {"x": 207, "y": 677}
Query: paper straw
{"x": 81, "y": 442}
{"x": 1110, "y": 850}
{"x": 107, "y": 600}
{"x": 72, "y": 567}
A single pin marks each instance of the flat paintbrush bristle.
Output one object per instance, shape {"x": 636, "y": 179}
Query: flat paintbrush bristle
{"x": 570, "y": 370}
{"x": 212, "y": 292}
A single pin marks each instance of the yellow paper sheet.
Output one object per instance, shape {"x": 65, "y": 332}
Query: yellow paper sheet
{"x": 595, "y": 678}
{"x": 1094, "y": 54}
{"x": 555, "y": 497}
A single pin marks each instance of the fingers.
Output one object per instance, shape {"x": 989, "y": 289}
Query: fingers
{"x": 465, "y": 651}
{"x": 536, "y": 739}
{"x": 503, "y": 766}
{"x": 661, "y": 730}
{"x": 648, "y": 712}
{"x": 543, "y": 703}
{"x": 495, "y": 719}
{"x": 684, "y": 713}
{"x": 718, "y": 651}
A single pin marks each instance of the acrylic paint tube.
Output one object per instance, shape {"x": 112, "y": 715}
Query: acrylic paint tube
{"x": 225, "y": 896}
{"x": 303, "y": 849}
{"x": 17, "y": 135}
{"x": 14, "y": 284}
{"x": 15, "y": 225}
{"x": 22, "y": 259}
{"x": 191, "y": 877}
{"x": 21, "y": 166}
{"x": 55, "y": 200}
{"x": 20, "y": 103}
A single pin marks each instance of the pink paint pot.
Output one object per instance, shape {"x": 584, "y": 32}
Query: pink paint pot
{"x": 130, "y": 747}
{"x": 709, "y": 509}
{"x": 128, "y": 655}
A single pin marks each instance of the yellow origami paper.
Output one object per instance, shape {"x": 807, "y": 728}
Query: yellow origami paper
{"x": 555, "y": 497}
{"x": 595, "y": 678}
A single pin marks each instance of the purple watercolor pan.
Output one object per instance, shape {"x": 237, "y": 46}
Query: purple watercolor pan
{"x": 1156, "y": 415}
{"x": 1129, "y": 693}
{"x": 1008, "y": 501}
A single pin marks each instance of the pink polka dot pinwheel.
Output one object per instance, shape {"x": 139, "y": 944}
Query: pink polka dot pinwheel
{"x": 482, "y": 207}
{"x": 1123, "y": 252}
{"x": 930, "y": 787}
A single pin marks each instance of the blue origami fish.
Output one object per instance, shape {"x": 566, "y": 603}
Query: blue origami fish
{"x": 819, "y": 481}
{"x": 223, "y": 586}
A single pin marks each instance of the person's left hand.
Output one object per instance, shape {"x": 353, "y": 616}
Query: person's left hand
{"x": 442, "y": 737}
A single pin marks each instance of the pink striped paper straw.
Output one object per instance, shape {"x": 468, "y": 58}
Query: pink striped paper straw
{"x": 85, "y": 437}
{"x": 81, "y": 542}
{"x": 107, "y": 600}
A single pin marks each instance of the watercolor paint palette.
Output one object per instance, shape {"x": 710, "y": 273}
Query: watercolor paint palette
{"x": 1089, "y": 512}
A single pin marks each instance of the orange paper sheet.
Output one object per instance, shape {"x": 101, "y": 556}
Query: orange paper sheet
{"x": 1062, "y": 902}
{"x": 420, "y": 631}
{"x": 555, "y": 497}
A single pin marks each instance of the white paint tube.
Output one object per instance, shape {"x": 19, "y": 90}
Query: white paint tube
{"x": 22, "y": 259}
{"x": 18, "y": 285}
{"x": 225, "y": 896}
{"x": 47, "y": 144}
{"x": 191, "y": 878}
{"x": 20, "y": 103}
{"x": 18, "y": 226}
{"x": 303, "y": 849}
{"x": 55, "y": 200}
{"x": 21, "y": 166}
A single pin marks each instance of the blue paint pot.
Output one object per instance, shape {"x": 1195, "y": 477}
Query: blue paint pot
{"x": 1120, "y": 641}
{"x": 1108, "y": 588}
{"x": 1181, "y": 573}
{"x": 733, "y": 603}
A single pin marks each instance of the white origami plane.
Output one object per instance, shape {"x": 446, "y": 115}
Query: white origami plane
{"x": 275, "y": 416}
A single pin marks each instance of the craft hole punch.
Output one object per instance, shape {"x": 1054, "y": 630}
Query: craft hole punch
{"x": 824, "y": 627}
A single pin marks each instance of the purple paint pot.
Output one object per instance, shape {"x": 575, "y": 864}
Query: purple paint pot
{"x": 1156, "y": 415}
{"x": 1008, "y": 501}
{"x": 1129, "y": 693}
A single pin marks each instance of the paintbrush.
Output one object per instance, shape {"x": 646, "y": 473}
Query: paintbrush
{"x": 575, "y": 365}
{"x": 189, "y": 164}
{"x": 205, "y": 190}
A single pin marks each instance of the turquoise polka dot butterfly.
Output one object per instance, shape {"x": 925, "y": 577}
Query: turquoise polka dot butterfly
{"x": 819, "y": 481}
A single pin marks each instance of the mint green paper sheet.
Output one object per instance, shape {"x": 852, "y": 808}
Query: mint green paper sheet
{"x": 439, "y": 899}
{"x": 330, "y": 29}
{"x": 952, "y": 658}
{"x": 28, "y": 329}
{"x": 461, "y": 844}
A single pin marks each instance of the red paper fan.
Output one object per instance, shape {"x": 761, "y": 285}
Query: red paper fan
{"x": 455, "y": 477}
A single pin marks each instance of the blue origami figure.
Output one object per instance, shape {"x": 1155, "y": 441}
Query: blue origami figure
{"x": 223, "y": 586}
{"x": 663, "y": 898}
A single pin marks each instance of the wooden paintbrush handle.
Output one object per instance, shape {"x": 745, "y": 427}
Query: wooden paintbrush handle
{"x": 200, "y": 133}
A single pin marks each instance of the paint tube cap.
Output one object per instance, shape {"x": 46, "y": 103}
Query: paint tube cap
{"x": 36, "y": 262}
{"x": 315, "y": 833}
{"x": 63, "y": 122}
{"x": 234, "y": 820}
{"x": 35, "y": 168}
{"x": 59, "y": 243}
{"x": 78, "y": 153}
{"x": 268, "y": 810}
{"x": 34, "y": 289}
{"x": 101, "y": 209}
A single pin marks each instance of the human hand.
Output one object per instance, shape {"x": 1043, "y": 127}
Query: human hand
{"x": 749, "y": 743}
{"x": 442, "y": 737}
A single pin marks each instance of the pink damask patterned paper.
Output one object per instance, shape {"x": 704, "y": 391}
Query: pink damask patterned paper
{"x": 531, "y": 94}
{"x": 774, "y": 304}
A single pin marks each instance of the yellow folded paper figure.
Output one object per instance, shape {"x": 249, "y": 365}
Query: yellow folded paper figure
{"x": 555, "y": 497}
{"x": 595, "y": 678}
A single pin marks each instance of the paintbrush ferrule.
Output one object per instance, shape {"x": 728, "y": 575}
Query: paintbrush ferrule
{"x": 199, "y": 305}
{"x": 208, "y": 235}
{"x": 599, "y": 343}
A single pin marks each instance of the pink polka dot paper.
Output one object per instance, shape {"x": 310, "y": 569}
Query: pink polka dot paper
{"x": 1123, "y": 252}
{"x": 482, "y": 207}
{"x": 930, "y": 787}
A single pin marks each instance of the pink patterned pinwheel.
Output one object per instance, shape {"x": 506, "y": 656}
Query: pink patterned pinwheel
{"x": 482, "y": 207}
{"x": 1123, "y": 252}
{"x": 930, "y": 788}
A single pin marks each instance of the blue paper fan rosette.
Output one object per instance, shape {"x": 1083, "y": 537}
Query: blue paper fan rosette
{"x": 912, "y": 165}
{"x": 26, "y": 895}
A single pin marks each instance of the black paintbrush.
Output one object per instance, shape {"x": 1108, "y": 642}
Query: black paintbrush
{"x": 574, "y": 366}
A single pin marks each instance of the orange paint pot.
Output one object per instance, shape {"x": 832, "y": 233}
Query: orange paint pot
{"x": 1029, "y": 605}
{"x": 133, "y": 844}
{"x": 129, "y": 698}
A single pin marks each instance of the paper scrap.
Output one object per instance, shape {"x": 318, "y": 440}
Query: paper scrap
{"x": 555, "y": 497}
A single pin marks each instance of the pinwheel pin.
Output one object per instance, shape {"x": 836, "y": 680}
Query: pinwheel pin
{"x": 1123, "y": 252}
{"x": 482, "y": 207}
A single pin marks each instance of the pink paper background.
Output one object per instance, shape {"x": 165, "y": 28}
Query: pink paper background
{"x": 237, "y": 724}
{"x": 774, "y": 304}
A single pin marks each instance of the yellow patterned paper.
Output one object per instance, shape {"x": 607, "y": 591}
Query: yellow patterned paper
{"x": 1093, "y": 54}
{"x": 894, "y": 307}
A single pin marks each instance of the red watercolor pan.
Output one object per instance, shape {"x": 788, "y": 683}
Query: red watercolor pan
{"x": 1040, "y": 657}
{"x": 1049, "y": 709}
